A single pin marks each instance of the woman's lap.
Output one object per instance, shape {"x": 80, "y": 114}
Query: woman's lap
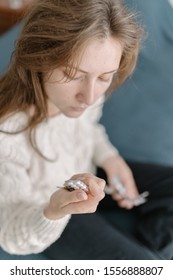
{"x": 90, "y": 236}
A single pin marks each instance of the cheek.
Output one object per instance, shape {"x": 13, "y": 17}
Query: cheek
{"x": 49, "y": 89}
{"x": 61, "y": 92}
{"x": 53, "y": 89}
{"x": 102, "y": 88}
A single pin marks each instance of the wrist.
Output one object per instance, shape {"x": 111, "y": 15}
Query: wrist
{"x": 51, "y": 215}
{"x": 109, "y": 163}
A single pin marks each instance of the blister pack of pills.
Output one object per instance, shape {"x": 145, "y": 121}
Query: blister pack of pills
{"x": 120, "y": 188}
{"x": 71, "y": 185}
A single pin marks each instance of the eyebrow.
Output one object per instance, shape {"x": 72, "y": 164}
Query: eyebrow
{"x": 85, "y": 72}
{"x": 109, "y": 72}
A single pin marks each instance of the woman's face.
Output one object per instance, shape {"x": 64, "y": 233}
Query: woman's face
{"x": 94, "y": 75}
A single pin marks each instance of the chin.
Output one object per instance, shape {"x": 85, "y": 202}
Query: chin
{"x": 73, "y": 116}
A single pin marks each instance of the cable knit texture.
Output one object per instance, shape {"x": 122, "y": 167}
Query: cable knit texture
{"x": 27, "y": 180}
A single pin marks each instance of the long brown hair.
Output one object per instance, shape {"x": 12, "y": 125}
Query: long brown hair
{"x": 55, "y": 32}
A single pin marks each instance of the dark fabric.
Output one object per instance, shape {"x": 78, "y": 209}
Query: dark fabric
{"x": 155, "y": 223}
{"x": 6, "y": 256}
{"x": 91, "y": 237}
{"x": 152, "y": 221}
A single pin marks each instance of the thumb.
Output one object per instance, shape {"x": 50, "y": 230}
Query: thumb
{"x": 77, "y": 195}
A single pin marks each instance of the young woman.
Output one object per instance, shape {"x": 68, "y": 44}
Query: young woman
{"x": 69, "y": 56}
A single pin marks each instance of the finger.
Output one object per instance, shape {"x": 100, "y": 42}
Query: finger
{"x": 88, "y": 206}
{"x": 131, "y": 187}
{"x": 96, "y": 188}
{"x": 65, "y": 197}
{"x": 81, "y": 207}
{"x": 117, "y": 196}
{"x": 85, "y": 177}
{"x": 124, "y": 203}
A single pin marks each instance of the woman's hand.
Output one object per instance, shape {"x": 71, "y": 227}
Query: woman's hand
{"x": 116, "y": 166}
{"x": 63, "y": 202}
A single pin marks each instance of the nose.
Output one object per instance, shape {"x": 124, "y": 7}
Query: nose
{"x": 87, "y": 93}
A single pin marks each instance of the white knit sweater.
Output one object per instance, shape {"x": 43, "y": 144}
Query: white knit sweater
{"x": 27, "y": 180}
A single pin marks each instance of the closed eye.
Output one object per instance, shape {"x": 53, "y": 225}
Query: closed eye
{"x": 106, "y": 79}
{"x": 73, "y": 78}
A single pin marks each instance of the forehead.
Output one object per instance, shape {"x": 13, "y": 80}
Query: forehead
{"x": 101, "y": 56}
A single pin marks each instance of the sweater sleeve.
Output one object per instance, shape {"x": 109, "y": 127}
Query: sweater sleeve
{"x": 103, "y": 148}
{"x": 23, "y": 227}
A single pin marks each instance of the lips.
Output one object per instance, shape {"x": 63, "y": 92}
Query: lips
{"x": 79, "y": 109}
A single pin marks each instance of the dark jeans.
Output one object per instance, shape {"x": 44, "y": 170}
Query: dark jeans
{"x": 102, "y": 236}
